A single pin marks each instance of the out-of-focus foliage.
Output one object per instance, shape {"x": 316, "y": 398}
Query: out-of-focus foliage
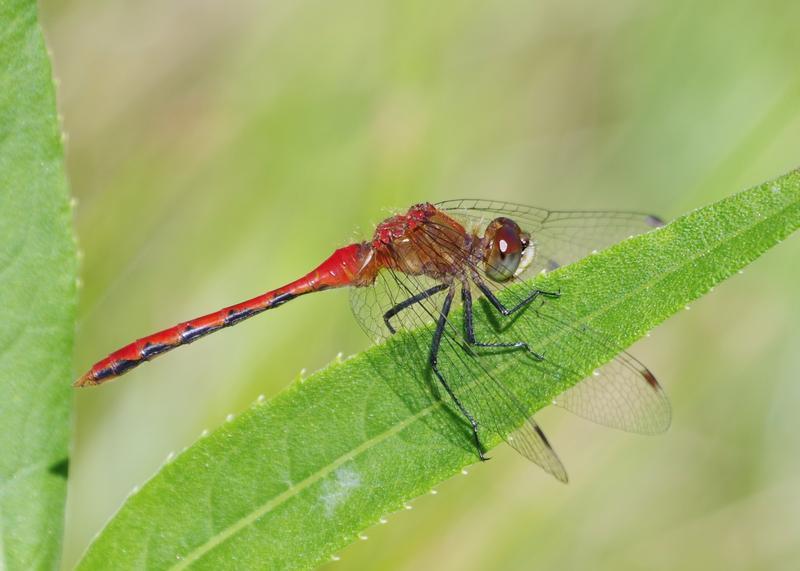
{"x": 358, "y": 440}
{"x": 220, "y": 149}
{"x": 38, "y": 299}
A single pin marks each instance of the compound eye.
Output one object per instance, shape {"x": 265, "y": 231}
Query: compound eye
{"x": 503, "y": 251}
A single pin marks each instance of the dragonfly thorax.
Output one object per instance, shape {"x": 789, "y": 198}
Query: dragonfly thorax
{"x": 424, "y": 241}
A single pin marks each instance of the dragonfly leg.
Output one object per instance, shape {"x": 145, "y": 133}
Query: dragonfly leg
{"x": 499, "y": 304}
{"x": 469, "y": 329}
{"x": 437, "y": 340}
{"x": 422, "y": 296}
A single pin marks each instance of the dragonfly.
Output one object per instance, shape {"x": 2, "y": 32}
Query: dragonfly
{"x": 420, "y": 268}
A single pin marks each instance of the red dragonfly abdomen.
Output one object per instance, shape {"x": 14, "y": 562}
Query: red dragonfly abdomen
{"x": 348, "y": 266}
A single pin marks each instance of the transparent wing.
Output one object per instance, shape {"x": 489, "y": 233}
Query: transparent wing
{"x": 614, "y": 395}
{"x": 621, "y": 394}
{"x": 560, "y": 237}
{"x": 371, "y": 305}
{"x": 624, "y": 394}
{"x": 475, "y": 381}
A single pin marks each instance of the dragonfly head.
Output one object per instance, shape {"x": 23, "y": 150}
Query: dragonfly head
{"x": 507, "y": 249}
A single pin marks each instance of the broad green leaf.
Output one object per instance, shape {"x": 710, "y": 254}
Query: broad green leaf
{"x": 37, "y": 299}
{"x": 291, "y": 481}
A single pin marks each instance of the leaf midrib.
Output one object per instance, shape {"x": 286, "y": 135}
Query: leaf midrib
{"x": 295, "y": 489}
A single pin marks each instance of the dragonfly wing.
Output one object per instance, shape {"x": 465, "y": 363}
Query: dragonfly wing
{"x": 560, "y": 237}
{"x": 475, "y": 381}
{"x": 621, "y": 394}
{"x": 478, "y": 382}
{"x": 478, "y": 376}
{"x": 372, "y": 305}
{"x": 530, "y": 441}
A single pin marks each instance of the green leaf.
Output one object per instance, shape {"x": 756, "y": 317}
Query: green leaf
{"x": 293, "y": 480}
{"x": 37, "y": 299}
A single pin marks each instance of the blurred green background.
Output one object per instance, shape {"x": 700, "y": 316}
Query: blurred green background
{"x": 219, "y": 149}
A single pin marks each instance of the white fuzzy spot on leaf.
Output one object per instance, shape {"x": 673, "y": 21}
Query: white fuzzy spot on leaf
{"x": 334, "y": 492}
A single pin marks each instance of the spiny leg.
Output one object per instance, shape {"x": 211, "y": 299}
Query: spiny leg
{"x": 433, "y": 359}
{"x": 469, "y": 328}
{"x": 498, "y": 305}
{"x": 422, "y": 296}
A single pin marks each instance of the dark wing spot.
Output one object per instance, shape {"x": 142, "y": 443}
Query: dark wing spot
{"x": 651, "y": 380}
{"x": 654, "y": 221}
{"x": 540, "y": 432}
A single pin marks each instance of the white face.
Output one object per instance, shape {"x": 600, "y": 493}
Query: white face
{"x": 528, "y": 254}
